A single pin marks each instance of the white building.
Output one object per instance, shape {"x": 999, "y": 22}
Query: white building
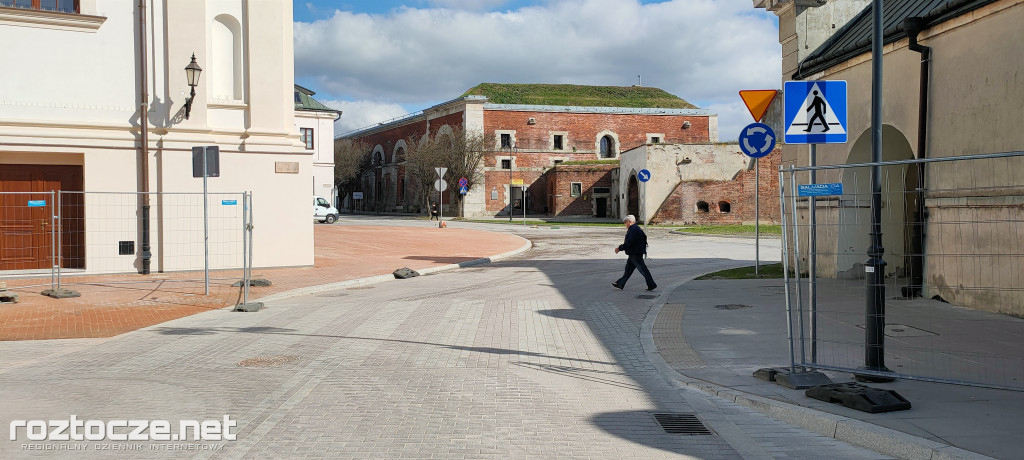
{"x": 70, "y": 116}
{"x": 315, "y": 122}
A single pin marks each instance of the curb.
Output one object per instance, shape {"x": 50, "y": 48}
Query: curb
{"x": 382, "y": 278}
{"x": 856, "y": 432}
{"x": 748, "y": 237}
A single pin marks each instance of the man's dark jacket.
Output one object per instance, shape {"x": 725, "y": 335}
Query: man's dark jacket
{"x": 636, "y": 241}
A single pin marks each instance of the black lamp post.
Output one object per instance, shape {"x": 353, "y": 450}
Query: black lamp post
{"x": 192, "y": 71}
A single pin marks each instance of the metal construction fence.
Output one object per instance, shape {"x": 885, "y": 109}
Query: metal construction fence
{"x": 953, "y": 289}
{"x": 67, "y": 238}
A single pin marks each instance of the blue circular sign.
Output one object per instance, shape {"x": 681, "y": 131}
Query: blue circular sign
{"x": 757, "y": 140}
{"x": 644, "y": 175}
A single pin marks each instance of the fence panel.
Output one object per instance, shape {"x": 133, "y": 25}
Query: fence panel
{"x": 102, "y": 234}
{"x": 28, "y": 241}
{"x": 953, "y": 237}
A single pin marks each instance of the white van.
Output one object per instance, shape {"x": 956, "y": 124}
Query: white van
{"x": 323, "y": 212}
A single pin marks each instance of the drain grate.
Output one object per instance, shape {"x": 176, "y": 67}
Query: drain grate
{"x": 647, "y": 296}
{"x": 733, "y": 306}
{"x": 268, "y": 361}
{"x": 681, "y": 424}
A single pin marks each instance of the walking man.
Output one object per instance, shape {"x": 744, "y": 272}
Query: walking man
{"x": 819, "y": 107}
{"x": 635, "y": 246}
{"x": 433, "y": 212}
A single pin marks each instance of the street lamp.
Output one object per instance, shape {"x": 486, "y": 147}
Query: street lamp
{"x": 192, "y": 71}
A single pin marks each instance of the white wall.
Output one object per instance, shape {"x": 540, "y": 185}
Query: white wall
{"x": 77, "y": 103}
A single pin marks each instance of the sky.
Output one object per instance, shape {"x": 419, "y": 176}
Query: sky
{"x": 380, "y": 59}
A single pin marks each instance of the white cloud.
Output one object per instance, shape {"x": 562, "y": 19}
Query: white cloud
{"x": 700, "y": 50}
{"x": 359, "y": 114}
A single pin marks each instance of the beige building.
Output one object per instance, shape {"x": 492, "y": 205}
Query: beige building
{"x": 70, "y": 119}
{"x": 970, "y": 105}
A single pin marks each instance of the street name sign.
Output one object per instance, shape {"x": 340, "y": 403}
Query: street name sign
{"x": 820, "y": 189}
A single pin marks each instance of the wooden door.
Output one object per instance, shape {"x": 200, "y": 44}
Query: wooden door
{"x": 26, "y": 224}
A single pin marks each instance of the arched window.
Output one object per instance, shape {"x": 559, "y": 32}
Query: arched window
{"x": 607, "y": 147}
{"x": 378, "y": 159}
{"x": 702, "y": 206}
{"x": 226, "y": 46}
{"x": 724, "y": 207}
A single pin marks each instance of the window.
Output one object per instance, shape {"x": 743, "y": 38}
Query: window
{"x": 558, "y": 161}
{"x": 307, "y": 138}
{"x": 506, "y": 164}
{"x": 655, "y": 140}
{"x": 60, "y": 6}
{"x": 724, "y": 207}
{"x": 506, "y": 141}
{"x": 298, "y": 99}
{"x": 602, "y": 190}
{"x": 558, "y": 142}
{"x": 607, "y": 147}
{"x": 575, "y": 188}
{"x": 702, "y": 206}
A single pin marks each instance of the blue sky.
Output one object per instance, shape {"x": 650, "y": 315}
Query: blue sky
{"x": 376, "y": 60}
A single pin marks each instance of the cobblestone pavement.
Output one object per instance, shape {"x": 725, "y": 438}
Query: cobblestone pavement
{"x": 535, "y": 356}
{"x": 115, "y": 304}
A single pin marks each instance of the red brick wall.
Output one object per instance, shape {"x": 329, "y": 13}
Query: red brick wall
{"x": 681, "y": 205}
{"x": 583, "y": 129}
{"x": 560, "y": 201}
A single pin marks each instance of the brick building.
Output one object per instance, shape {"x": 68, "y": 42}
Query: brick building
{"x": 528, "y": 130}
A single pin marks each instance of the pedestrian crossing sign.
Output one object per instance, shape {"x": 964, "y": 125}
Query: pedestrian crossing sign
{"x": 815, "y": 112}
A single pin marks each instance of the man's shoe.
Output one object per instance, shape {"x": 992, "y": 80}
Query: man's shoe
{"x": 617, "y": 286}
{"x": 651, "y": 288}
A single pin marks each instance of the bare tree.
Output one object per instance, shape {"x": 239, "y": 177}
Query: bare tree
{"x": 349, "y": 158}
{"x": 462, "y": 153}
{"x": 421, "y": 157}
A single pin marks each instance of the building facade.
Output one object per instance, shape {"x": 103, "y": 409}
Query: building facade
{"x": 969, "y": 104}
{"x": 95, "y": 75}
{"x": 315, "y": 123}
{"x": 523, "y": 145}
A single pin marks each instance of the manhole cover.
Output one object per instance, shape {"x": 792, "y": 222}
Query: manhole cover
{"x": 647, "y": 296}
{"x": 268, "y": 361}
{"x": 733, "y": 306}
{"x": 681, "y": 424}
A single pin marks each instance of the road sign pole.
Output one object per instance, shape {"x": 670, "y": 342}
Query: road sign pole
{"x": 757, "y": 217}
{"x": 812, "y": 264}
{"x": 874, "y": 329}
{"x": 206, "y": 227}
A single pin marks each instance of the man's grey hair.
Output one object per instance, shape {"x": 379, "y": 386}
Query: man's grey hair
{"x": 629, "y": 218}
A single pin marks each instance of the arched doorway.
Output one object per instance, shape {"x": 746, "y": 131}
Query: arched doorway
{"x": 633, "y": 197}
{"x": 855, "y": 206}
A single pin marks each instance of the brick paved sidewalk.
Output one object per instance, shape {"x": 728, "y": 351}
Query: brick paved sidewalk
{"x": 115, "y": 304}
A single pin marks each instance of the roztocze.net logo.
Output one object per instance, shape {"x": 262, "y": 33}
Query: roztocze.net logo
{"x": 74, "y": 429}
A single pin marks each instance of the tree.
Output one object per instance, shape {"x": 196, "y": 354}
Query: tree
{"x": 350, "y": 156}
{"x": 462, "y": 153}
{"x": 421, "y": 157}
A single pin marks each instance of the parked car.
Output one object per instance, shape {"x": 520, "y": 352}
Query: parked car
{"x": 323, "y": 212}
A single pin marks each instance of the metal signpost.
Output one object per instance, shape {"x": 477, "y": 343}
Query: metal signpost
{"x": 815, "y": 113}
{"x": 644, "y": 175}
{"x": 441, "y": 186}
{"x": 756, "y": 141}
{"x": 757, "y": 102}
{"x": 206, "y": 163}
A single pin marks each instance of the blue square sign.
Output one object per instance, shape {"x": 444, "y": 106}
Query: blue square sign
{"x": 815, "y": 112}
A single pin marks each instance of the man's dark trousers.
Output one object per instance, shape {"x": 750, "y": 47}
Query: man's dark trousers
{"x": 636, "y": 261}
